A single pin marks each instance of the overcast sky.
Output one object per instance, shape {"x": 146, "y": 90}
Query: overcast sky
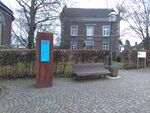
{"x": 85, "y": 4}
{"x": 78, "y": 3}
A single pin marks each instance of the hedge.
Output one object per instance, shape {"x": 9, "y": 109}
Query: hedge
{"x": 129, "y": 59}
{"x": 17, "y": 63}
{"x": 22, "y": 62}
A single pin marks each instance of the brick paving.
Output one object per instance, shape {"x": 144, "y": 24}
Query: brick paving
{"x": 128, "y": 94}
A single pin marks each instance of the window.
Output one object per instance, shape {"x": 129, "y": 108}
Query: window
{"x": 106, "y": 30}
{"x": 89, "y": 44}
{"x": 105, "y": 45}
{"x": 73, "y": 45}
{"x": 89, "y": 30}
{"x": 74, "y": 30}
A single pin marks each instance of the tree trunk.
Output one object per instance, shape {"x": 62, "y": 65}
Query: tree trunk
{"x": 31, "y": 39}
{"x": 31, "y": 25}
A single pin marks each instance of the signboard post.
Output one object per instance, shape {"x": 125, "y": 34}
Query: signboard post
{"x": 141, "y": 54}
{"x": 44, "y": 50}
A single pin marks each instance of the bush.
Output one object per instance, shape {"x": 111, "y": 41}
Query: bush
{"x": 22, "y": 62}
{"x": 90, "y": 56}
{"x": 129, "y": 59}
{"x": 118, "y": 59}
{"x": 17, "y": 62}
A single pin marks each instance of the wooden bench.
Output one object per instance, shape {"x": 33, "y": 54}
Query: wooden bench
{"x": 90, "y": 69}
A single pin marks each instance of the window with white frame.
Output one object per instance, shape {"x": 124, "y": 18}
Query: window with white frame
{"x": 106, "y": 30}
{"x": 90, "y": 30}
{"x": 73, "y": 45}
{"x": 74, "y": 30}
{"x": 105, "y": 45}
{"x": 89, "y": 44}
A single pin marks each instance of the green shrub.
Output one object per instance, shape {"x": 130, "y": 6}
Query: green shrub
{"x": 129, "y": 59}
{"x": 118, "y": 59}
{"x": 22, "y": 62}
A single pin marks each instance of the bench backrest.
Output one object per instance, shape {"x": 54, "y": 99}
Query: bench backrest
{"x": 87, "y": 67}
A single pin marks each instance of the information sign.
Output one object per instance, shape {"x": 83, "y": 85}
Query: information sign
{"x": 141, "y": 54}
{"x": 45, "y": 51}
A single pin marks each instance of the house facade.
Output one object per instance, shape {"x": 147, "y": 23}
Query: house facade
{"x": 6, "y": 18}
{"x": 88, "y": 28}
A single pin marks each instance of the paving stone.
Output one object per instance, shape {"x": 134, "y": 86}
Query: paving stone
{"x": 128, "y": 94}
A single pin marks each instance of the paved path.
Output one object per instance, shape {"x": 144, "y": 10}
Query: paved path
{"x": 129, "y": 94}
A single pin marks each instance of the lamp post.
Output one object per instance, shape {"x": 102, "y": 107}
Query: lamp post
{"x": 112, "y": 18}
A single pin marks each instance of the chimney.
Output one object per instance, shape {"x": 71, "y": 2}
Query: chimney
{"x": 135, "y": 43}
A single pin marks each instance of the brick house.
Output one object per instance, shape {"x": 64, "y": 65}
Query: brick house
{"x": 88, "y": 28}
{"x": 6, "y": 18}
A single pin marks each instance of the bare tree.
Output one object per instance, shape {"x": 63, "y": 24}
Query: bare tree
{"x": 36, "y": 15}
{"x": 137, "y": 14}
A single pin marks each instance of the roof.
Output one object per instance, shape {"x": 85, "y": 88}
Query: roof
{"x": 138, "y": 46}
{"x": 85, "y": 12}
{"x": 7, "y": 10}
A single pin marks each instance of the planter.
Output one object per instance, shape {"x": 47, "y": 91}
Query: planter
{"x": 114, "y": 70}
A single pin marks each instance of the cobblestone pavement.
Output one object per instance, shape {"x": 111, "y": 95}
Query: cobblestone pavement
{"x": 128, "y": 94}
